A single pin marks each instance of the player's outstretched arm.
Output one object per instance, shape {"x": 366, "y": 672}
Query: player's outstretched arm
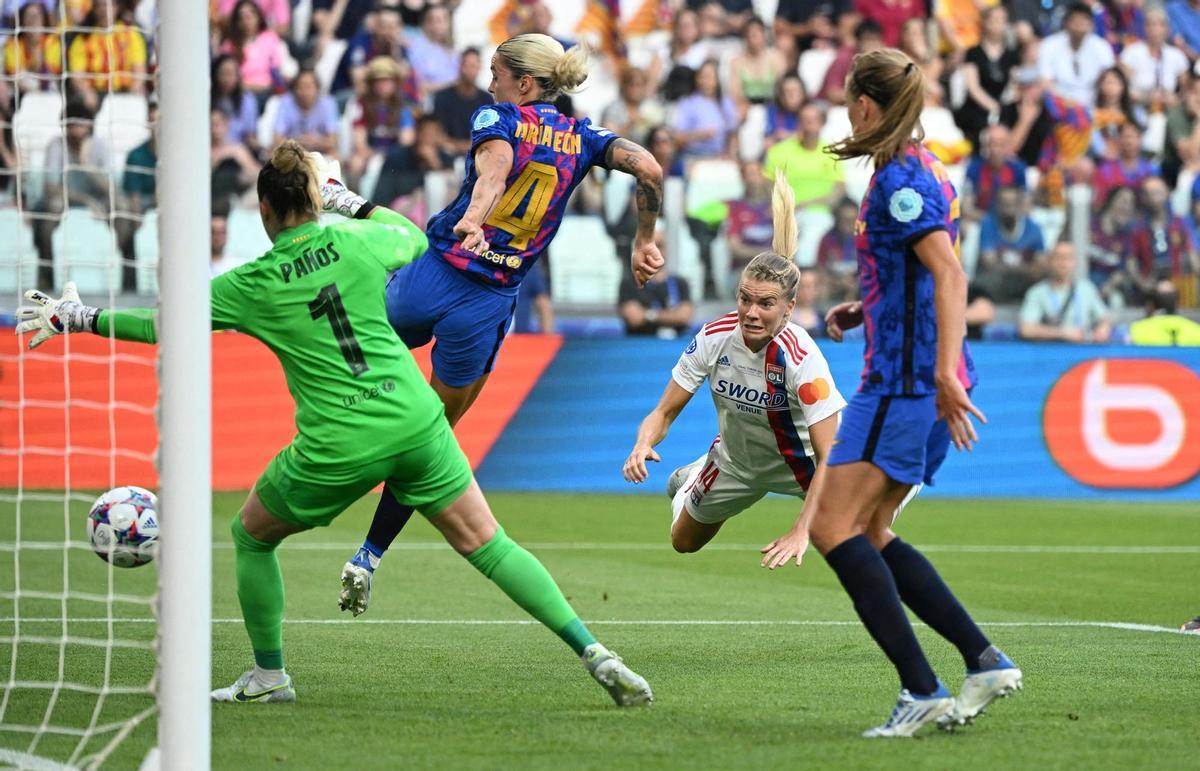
{"x": 936, "y": 253}
{"x": 493, "y": 162}
{"x": 793, "y": 543}
{"x": 49, "y": 317}
{"x": 653, "y": 430}
{"x": 632, "y": 158}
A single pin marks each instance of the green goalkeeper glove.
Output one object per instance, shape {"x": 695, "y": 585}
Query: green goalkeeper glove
{"x": 49, "y": 317}
{"x": 337, "y": 199}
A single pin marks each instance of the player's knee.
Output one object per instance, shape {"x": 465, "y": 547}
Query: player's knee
{"x": 880, "y": 536}
{"x": 829, "y": 534}
{"x": 685, "y": 544}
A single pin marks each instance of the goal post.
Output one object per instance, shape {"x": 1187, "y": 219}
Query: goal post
{"x": 185, "y": 383}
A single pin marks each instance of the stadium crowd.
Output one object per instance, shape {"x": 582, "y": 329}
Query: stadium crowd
{"x": 1029, "y": 102}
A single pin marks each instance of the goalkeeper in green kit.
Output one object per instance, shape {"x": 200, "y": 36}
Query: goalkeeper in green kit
{"x": 364, "y": 413}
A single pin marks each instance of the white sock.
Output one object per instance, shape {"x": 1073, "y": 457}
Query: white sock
{"x": 268, "y": 677}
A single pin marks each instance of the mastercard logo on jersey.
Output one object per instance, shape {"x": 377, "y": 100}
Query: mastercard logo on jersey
{"x": 818, "y": 389}
{"x": 1125, "y": 423}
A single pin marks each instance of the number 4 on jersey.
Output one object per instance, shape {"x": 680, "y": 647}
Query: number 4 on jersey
{"x": 536, "y": 183}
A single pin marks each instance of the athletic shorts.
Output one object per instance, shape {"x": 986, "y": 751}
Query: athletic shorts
{"x": 899, "y": 434}
{"x": 429, "y": 478}
{"x": 428, "y": 298}
{"x": 710, "y": 495}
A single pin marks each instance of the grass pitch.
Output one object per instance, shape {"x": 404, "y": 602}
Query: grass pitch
{"x": 749, "y": 668}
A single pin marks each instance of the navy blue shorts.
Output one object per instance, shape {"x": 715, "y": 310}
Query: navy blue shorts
{"x": 428, "y": 298}
{"x": 899, "y": 434}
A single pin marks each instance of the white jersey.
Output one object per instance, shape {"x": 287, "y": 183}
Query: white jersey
{"x": 765, "y": 401}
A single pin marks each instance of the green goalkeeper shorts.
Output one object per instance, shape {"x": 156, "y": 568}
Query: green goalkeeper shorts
{"x": 429, "y": 478}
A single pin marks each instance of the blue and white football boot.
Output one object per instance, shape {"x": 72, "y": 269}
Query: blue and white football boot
{"x": 913, "y": 712}
{"x": 996, "y": 678}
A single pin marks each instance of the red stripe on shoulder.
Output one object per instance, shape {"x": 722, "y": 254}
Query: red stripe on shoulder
{"x": 714, "y": 329}
{"x": 799, "y": 352}
{"x": 722, "y": 319}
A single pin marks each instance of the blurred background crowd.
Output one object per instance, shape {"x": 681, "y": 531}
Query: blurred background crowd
{"x": 1070, "y": 129}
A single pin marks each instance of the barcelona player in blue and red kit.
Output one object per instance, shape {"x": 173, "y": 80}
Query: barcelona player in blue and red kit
{"x": 525, "y": 160}
{"x": 913, "y": 401}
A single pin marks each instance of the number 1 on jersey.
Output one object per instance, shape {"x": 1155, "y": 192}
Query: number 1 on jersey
{"x": 328, "y": 302}
{"x": 537, "y": 182}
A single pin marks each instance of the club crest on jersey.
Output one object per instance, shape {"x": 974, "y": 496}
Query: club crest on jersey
{"x": 905, "y": 205}
{"x": 485, "y": 118}
{"x": 775, "y": 374}
{"x": 723, "y": 361}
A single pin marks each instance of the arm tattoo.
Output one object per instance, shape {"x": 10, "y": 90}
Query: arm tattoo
{"x": 631, "y": 152}
{"x": 648, "y": 197}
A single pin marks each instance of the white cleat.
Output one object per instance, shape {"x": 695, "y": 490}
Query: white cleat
{"x": 627, "y": 688}
{"x": 912, "y": 713}
{"x": 247, "y": 690}
{"x": 680, "y": 475}
{"x": 356, "y": 589}
{"x": 980, "y": 688}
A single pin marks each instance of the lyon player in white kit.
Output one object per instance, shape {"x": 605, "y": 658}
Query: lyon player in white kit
{"x": 777, "y": 405}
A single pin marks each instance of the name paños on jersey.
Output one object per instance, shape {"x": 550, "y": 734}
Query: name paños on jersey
{"x": 310, "y": 261}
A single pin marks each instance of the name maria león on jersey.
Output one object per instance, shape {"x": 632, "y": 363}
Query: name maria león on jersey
{"x": 309, "y": 261}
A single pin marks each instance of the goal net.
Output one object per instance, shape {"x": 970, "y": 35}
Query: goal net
{"x": 81, "y": 646}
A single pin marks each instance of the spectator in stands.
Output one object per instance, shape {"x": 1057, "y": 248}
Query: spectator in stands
{"x": 138, "y": 190}
{"x": 754, "y": 71}
{"x": 337, "y": 20}
{"x": 1052, "y": 133}
{"x": 454, "y": 105}
{"x": 705, "y": 122}
{"x": 76, "y": 174}
{"x": 1119, "y": 22}
{"x": 382, "y": 120}
{"x": 1071, "y": 61}
{"x": 401, "y": 185}
{"x": 1182, "y": 147}
{"x": 684, "y": 48}
{"x": 996, "y": 167}
{"x": 662, "y": 307}
{"x": 660, "y": 141}
{"x": 815, "y": 177}
{"x": 981, "y": 311}
{"x": 837, "y": 255}
{"x": 234, "y": 168}
{"x": 384, "y": 37}
{"x": 1111, "y": 264}
{"x": 431, "y": 52}
{"x": 987, "y": 69}
{"x": 1010, "y": 248}
{"x": 238, "y": 104}
{"x": 1113, "y": 109}
{"x": 220, "y": 261}
{"x": 635, "y": 112}
{"x": 112, "y": 57}
{"x": 722, "y": 18}
{"x": 890, "y": 15}
{"x": 308, "y": 116}
{"x": 1063, "y": 307}
{"x": 807, "y": 19}
{"x": 867, "y": 37}
{"x": 1162, "y": 242}
{"x": 259, "y": 51}
{"x": 748, "y": 225}
{"x": 1127, "y": 169}
{"x": 1036, "y": 18}
{"x": 1163, "y": 325}
{"x": 1184, "y": 16}
{"x": 914, "y": 41}
{"x": 960, "y": 24}
{"x": 278, "y": 14}
{"x": 783, "y": 114}
{"x": 535, "y": 311}
{"x": 805, "y": 313}
{"x": 33, "y": 57}
{"x": 1153, "y": 65}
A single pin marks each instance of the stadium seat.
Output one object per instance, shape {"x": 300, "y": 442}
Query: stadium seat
{"x": 36, "y": 123}
{"x": 814, "y": 64}
{"x": 584, "y": 268}
{"x": 837, "y": 125}
{"x": 710, "y": 181}
{"x": 145, "y": 250}
{"x": 265, "y": 130}
{"x": 121, "y": 125}
{"x": 85, "y": 251}
{"x": 246, "y": 238}
{"x": 370, "y": 176}
{"x": 18, "y": 258}
{"x": 752, "y": 133}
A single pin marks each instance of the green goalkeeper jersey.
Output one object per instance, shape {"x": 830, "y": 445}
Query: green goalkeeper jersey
{"x": 316, "y": 299}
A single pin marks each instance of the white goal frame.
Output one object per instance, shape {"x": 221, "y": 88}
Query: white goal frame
{"x": 185, "y": 386}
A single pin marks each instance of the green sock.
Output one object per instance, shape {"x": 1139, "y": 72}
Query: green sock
{"x": 260, "y": 591}
{"x": 525, "y": 580}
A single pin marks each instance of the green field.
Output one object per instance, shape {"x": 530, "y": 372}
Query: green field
{"x": 749, "y": 668}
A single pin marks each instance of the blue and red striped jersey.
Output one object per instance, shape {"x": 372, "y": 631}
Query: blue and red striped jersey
{"x": 907, "y": 199}
{"x": 552, "y": 154}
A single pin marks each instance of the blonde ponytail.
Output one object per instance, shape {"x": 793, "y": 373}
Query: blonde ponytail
{"x": 289, "y": 181}
{"x": 543, "y": 58}
{"x": 893, "y": 81}
{"x": 776, "y": 266}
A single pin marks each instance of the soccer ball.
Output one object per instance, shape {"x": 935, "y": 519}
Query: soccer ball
{"x": 123, "y": 526}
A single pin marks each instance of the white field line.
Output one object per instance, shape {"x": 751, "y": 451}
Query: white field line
{"x": 1119, "y": 625}
{"x": 664, "y": 546}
